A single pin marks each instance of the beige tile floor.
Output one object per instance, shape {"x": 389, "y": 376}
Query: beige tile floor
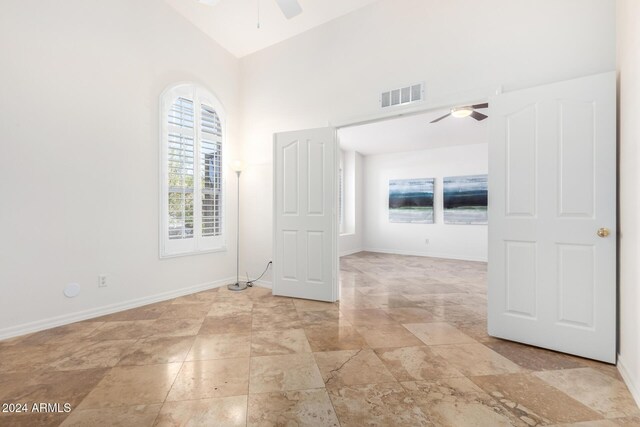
{"x": 406, "y": 346}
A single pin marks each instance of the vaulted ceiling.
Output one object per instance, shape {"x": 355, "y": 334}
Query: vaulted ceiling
{"x": 233, "y": 23}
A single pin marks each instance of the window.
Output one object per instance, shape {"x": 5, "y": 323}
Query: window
{"x": 192, "y": 143}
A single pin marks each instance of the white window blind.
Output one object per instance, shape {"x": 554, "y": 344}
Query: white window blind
{"x": 211, "y": 171}
{"x": 180, "y": 169}
{"x": 192, "y": 163}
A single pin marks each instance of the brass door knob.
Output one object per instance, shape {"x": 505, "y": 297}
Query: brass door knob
{"x": 603, "y": 232}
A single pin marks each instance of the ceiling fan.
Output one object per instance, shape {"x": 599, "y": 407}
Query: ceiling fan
{"x": 289, "y": 8}
{"x": 468, "y": 110}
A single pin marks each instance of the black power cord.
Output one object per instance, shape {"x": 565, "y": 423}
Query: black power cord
{"x": 251, "y": 282}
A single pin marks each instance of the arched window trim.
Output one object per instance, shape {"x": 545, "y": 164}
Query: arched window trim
{"x": 198, "y": 243}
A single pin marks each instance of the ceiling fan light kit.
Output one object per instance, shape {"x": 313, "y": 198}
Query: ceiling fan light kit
{"x": 461, "y": 111}
{"x": 290, "y": 8}
{"x": 465, "y": 111}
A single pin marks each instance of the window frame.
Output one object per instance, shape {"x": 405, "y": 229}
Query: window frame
{"x": 198, "y": 244}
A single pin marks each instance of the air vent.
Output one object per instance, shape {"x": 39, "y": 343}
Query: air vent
{"x": 402, "y": 96}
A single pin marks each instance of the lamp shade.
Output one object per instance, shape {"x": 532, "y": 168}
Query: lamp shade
{"x": 237, "y": 165}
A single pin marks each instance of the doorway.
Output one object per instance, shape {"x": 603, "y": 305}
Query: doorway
{"x": 398, "y": 179}
{"x": 552, "y": 279}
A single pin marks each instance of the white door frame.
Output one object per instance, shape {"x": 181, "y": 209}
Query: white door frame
{"x": 464, "y": 99}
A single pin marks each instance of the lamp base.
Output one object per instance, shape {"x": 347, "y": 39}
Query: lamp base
{"x": 238, "y": 286}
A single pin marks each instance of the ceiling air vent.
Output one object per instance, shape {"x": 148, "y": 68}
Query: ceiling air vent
{"x": 402, "y": 96}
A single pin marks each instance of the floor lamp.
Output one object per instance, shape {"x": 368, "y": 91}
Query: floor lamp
{"x": 237, "y": 165}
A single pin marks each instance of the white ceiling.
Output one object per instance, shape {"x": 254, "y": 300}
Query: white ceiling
{"x": 413, "y": 133}
{"x": 232, "y": 23}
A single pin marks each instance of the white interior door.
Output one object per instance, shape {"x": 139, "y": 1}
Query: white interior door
{"x": 552, "y": 184}
{"x": 305, "y": 259}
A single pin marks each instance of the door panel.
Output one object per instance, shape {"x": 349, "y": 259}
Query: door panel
{"x": 305, "y": 219}
{"x": 552, "y": 180}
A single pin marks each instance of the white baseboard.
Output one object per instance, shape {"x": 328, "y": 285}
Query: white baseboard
{"x": 263, "y": 284}
{"x": 65, "y": 319}
{"x": 350, "y": 252}
{"x": 425, "y": 254}
{"x": 632, "y": 383}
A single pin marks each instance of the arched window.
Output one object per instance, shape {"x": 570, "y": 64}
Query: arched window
{"x": 192, "y": 144}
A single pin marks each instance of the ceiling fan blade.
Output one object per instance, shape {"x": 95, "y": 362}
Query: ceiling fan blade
{"x": 478, "y": 116}
{"x": 290, "y": 8}
{"x": 440, "y": 118}
{"x": 485, "y": 105}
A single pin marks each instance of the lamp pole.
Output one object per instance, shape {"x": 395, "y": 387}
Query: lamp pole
{"x": 238, "y": 285}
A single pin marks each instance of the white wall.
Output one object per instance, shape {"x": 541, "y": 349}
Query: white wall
{"x": 629, "y": 223}
{"x": 460, "y": 48}
{"x": 79, "y": 88}
{"x": 456, "y": 241}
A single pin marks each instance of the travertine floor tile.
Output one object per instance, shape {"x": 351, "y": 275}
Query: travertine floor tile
{"x": 311, "y": 408}
{"x": 30, "y": 358}
{"x": 438, "y": 333}
{"x": 211, "y": 378}
{"x": 476, "y": 330}
{"x": 464, "y": 313}
{"x": 49, "y": 386}
{"x": 385, "y": 404}
{"x": 224, "y": 412}
{"x": 465, "y": 298}
{"x": 227, "y": 324}
{"x": 132, "y": 385}
{"x": 152, "y": 351}
{"x": 323, "y": 318}
{"x": 393, "y": 335}
{"x": 230, "y": 308}
{"x": 122, "y": 330}
{"x": 476, "y": 359}
{"x": 94, "y": 354}
{"x": 412, "y": 315}
{"x": 392, "y": 300}
{"x": 356, "y": 301}
{"x": 68, "y": 333}
{"x": 146, "y": 312}
{"x": 407, "y": 344}
{"x": 527, "y": 396}
{"x": 456, "y": 402}
{"x": 615, "y": 422}
{"x": 220, "y": 346}
{"x": 594, "y": 389}
{"x": 309, "y": 305}
{"x": 139, "y": 416}
{"x": 275, "y": 318}
{"x": 352, "y": 367}
{"x": 32, "y": 419}
{"x": 368, "y": 317}
{"x": 270, "y": 343}
{"x": 416, "y": 363}
{"x": 186, "y": 311}
{"x": 533, "y": 358}
{"x": 203, "y": 297}
{"x": 285, "y": 372}
{"x": 175, "y": 327}
{"x": 335, "y": 338}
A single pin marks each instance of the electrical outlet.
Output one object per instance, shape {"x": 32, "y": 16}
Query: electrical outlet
{"x": 102, "y": 281}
